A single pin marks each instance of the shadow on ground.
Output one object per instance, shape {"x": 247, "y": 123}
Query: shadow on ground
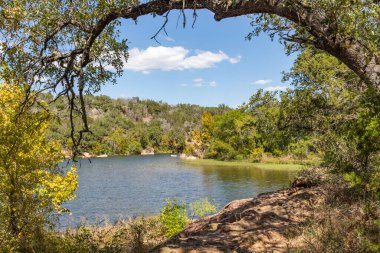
{"x": 267, "y": 223}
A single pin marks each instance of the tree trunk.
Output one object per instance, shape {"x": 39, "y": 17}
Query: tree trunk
{"x": 357, "y": 57}
{"x": 13, "y": 222}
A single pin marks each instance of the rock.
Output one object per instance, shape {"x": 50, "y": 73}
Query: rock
{"x": 147, "y": 151}
{"x": 258, "y": 224}
{"x": 86, "y": 155}
{"x": 302, "y": 182}
{"x": 309, "y": 178}
{"x": 188, "y": 157}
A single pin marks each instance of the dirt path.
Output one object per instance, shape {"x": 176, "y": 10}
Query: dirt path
{"x": 262, "y": 224}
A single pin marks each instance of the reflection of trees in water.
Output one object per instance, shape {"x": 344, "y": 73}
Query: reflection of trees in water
{"x": 261, "y": 177}
{"x": 224, "y": 183}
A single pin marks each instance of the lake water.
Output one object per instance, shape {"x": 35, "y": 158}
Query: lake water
{"x": 139, "y": 185}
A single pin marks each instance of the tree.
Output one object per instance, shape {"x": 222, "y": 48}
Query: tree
{"x": 118, "y": 141}
{"x": 207, "y": 122}
{"x": 326, "y": 102}
{"x": 266, "y": 109}
{"x": 60, "y": 45}
{"x": 232, "y": 133}
{"x": 346, "y": 29}
{"x": 32, "y": 186}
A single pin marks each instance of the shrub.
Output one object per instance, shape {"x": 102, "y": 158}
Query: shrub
{"x": 257, "y": 154}
{"x": 299, "y": 150}
{"x": 345, "y": 221}
{"x": 202, "y": 208}
{"x": 173, "y": 217}
{"x": 137, "y": 235}
{"x": 189, "y": 150}
{"x": 221, "y": 150}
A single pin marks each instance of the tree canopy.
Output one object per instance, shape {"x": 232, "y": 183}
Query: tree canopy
{"x": 73, "y": 47}
{"x": 32, "y": 186}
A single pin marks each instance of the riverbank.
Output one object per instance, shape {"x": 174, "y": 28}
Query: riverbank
{"x": 319, "y": 213}
{"x": 262, "y": 224}
{"x": 267, "y": 166}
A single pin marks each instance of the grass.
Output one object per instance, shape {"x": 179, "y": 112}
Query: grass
{"x": 266, "y": 166}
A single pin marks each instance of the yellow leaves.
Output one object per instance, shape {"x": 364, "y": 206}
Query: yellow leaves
{"x": 28, "y": 163}
{"x": 56, "y": 188}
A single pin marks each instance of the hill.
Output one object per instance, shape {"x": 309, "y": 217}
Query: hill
{"x": 127, "y": 126}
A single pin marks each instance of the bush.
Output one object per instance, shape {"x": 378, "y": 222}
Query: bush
{"x": 173, "y": 217}
{"x": 257, "y": 154}
{"x": 189, "y": 150}
{"x": 337, "y": 230}
{"x": 299, "y": 150}
{"x": 221, "y": 150}
{"x": 202, "y": 208}
{"x": 136, "y": 235}
{"x": 345, "y": 221}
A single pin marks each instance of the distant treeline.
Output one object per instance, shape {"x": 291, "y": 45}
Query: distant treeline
{"x": 259, "y": 129}
{"x": 127, "y": 126}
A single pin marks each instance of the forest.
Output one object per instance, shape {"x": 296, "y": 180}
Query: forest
{"x": 127, "y": 126}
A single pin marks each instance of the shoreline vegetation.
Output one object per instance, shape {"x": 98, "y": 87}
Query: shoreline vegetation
{"x": 272, "y": 163}
{"x": 275, "y": 163}
{"x": 134, "y": 126}
{"x": 259, "y": 165}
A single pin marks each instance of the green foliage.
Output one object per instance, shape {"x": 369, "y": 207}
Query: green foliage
{"x": 352, "y": 179}
{"x": 327, "y": 113}
{"x": 202, "y": 208}
{"x": 353, "y": 19}
{"x": 127, "y": 126}
{"x": 301, "y": 149}
{"x": 221, "y": 150}
{"x": 344, "y": 121}
{"x": 173, "y": 217}
{"x": 232, "y": 134}
{"x": 32, "y": 186}
{"x": 257, "y": 154}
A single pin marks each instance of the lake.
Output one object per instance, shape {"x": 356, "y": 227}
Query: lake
{"x": 127, "y": 186}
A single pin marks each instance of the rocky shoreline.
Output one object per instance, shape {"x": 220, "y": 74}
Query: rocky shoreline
{"x": 261, "y": 224}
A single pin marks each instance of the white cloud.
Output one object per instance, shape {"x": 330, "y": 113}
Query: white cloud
{"x": 276, "y": 88}
{"x": 235, "y": 60}
{"x": 198, "y": 82}
{"x": 169, "y": 39}
{"x": 262, "y": 82}
{"x": 173, "y": 59}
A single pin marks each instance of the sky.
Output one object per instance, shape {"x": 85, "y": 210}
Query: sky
{"x": 209, "y": 64}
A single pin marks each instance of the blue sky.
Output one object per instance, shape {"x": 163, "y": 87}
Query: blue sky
{"x": 209, "y": 65}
